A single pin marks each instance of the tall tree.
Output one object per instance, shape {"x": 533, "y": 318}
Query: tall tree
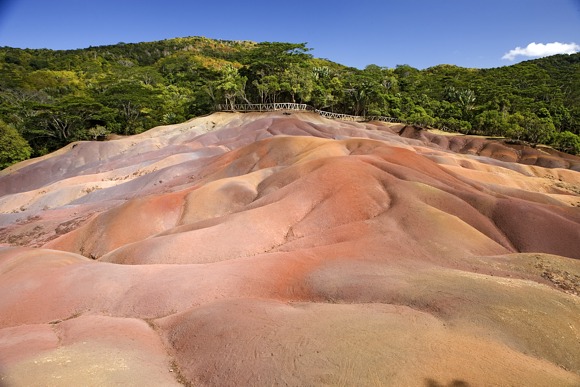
{"x": 133, "y": 102}
{"x": 232, "y": 85}
{"x": 13, "y": 147}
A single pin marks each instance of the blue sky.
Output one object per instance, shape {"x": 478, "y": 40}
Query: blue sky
{"x": 421, "y": 33}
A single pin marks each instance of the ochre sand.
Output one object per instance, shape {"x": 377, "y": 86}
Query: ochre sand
{"x": 288, "y": 249}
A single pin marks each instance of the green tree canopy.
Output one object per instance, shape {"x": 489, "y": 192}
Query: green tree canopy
{"x": 13, "y": 147}
{"x": 53, "y": 97}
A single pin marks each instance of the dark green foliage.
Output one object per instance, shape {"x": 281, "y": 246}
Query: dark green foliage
{"x": 54, "y": 97}
{"x": 567, "y": 142}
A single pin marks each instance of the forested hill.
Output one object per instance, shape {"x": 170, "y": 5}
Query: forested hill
{"x": 49, "y": 98}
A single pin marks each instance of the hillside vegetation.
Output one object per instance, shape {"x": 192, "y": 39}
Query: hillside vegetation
{"x": 49, "y": 98}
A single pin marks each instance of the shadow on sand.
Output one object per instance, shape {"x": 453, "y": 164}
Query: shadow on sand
{"x": 454, "y": 383}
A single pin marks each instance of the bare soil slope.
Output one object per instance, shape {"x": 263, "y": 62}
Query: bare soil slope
{"x": 288, "y": 249}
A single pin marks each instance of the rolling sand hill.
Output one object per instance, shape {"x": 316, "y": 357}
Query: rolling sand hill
{"x": 288, "y": 249}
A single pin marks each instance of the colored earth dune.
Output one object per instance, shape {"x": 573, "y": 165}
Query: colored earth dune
{"x": 287, "y": 249}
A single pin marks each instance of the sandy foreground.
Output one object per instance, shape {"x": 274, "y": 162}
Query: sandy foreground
{"x": 287, "y": 249}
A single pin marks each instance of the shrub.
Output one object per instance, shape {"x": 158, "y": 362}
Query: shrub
{"x": 13, "y": 148}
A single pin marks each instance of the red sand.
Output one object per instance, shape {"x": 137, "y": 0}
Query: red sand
{"x": 271, "y": 249}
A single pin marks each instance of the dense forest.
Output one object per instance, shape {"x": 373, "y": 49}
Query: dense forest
{"x": 49, "y": 98}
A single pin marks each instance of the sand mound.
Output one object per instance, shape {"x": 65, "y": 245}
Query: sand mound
{"x": 266, "y": 248}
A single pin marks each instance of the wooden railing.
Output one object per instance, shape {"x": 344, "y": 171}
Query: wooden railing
{"x": 340, "y": 116}
{"x": 269, "y": 107}
{"x": 264, "y": 107}
{"x": 382, "y": 118}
